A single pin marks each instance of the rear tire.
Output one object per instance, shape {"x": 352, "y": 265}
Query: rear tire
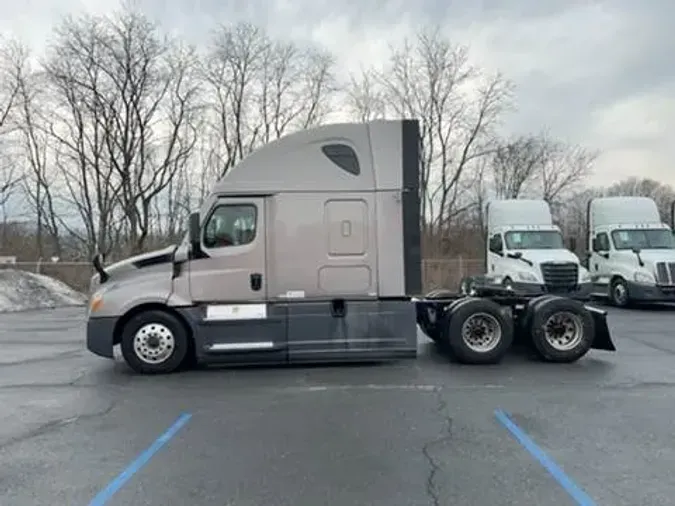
{"x": 154, "y": 342}
{"x": 525, "y": 319}
{"x": 562, "y": 330}
{"x": 429, "y": 314}
{"x": 477, "y": 331}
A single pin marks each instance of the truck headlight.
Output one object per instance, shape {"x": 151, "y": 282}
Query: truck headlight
{"x": 527, "y": 276}
{"x": 585, "y": 277}
{"x": 644, "y": 278}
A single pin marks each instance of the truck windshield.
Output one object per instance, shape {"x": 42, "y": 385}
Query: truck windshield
{"x": 537, "y": 239}
{"x": 658, "y": 238}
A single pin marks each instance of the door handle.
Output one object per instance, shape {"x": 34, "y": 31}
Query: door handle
{"x": 256, "y": 281}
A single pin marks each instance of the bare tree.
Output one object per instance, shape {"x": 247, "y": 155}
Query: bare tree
{"x": 458, "y": 107}
{"x": 131, "y": 101}
{"x": 565, "y": 168}
{"x": 39, "y": 182}
{"x": 10, "y": 174}
{"x": 516, "y": 164}
{"x": 151, "y": 115}
{"x": 79, "y": 124}
{"x": 365, "y": 96}
{"x": 262, "y": 89}
{"x": 8, "y": 82}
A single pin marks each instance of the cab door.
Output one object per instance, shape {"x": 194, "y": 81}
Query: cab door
{"x": 495, "y": 255}
{"x": 228, "y": 283}
{"x": 599, "y": 262}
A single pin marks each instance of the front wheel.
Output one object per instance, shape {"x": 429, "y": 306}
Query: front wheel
{"x": 619, "y": 293}
{"x": 154, "y": 342}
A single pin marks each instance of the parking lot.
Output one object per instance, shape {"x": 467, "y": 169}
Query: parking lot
{"x": 76, "y": 429}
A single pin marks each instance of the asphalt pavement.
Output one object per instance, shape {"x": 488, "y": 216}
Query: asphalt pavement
{"x": 76, "y": 429}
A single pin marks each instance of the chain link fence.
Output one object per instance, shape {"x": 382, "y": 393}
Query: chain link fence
{"x": 448, "y": 272}
{"x": 436, "y": 273}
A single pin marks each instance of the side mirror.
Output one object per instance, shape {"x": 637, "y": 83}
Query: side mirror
{"x": 572, "y": 243}
{"x": 595, "y": 246}
{"x": 193, "y": 232}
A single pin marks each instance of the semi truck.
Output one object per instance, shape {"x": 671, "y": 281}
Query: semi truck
{"x": 631, "y": 251}
{"x": 309, "y": 251}
{"x": 525, "y": 252}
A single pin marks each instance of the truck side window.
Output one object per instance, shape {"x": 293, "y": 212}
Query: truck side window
{"x": 496, "y": 245}
{"x": 343, "y": 156}
{"x": 602, "y": 242}
{"x": 231, "y": 225}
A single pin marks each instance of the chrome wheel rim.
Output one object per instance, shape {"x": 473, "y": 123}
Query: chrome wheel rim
{"x": 620, "y": 293}
{"x": 564, "y": 330}
{"x": 481, "y": 332}
{"x": 154, "y": 343}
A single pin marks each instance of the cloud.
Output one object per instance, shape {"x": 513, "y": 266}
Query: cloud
{"x": 600, "y": 73}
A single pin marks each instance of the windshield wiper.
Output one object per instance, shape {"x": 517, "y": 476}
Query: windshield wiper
{"x": 637, "y": 252}
{"x": 519, "y": 256}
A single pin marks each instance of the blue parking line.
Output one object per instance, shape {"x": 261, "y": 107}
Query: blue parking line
{"x": 106, "y": 494}
{"x": 579, "y": 496}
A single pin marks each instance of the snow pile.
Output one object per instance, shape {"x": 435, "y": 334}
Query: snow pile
{"x": 21, "y": 290}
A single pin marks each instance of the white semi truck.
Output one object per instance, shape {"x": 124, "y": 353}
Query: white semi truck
{"x": 525, "y": 252}
{"x": 631, "y": 251}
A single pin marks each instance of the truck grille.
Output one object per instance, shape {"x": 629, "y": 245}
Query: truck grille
{"x": 665, "y": 273}
{"x": 560, "y": 277}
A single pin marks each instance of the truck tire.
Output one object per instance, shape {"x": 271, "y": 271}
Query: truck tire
{"x": 525, "y": 318}
{"x": 618, "y": 293}
{"x": 562, "y": 330}
{"x": 154, "y": 342}
{"x": 476, "y": 331}
{"x": 430, "y": 314}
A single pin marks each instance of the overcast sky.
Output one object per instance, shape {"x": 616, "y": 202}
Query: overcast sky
{"x": 598, "y": 73}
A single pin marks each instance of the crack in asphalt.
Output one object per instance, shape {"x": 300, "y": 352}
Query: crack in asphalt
{"x": 54, "y": 425}
{"x": 445, "y": 435}
{"x": 648, "y": 344}
{"x": 41, "y": 342}
{"x": 72, "y": 383}
{"x": 50, "y": 358}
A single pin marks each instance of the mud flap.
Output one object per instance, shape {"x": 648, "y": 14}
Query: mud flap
{"x": 602, "y": 339}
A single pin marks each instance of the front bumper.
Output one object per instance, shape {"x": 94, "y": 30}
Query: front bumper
{"x": 100, "y": 336}
{"x": 650, "y": 293}
{"x": 581, "y": 292}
